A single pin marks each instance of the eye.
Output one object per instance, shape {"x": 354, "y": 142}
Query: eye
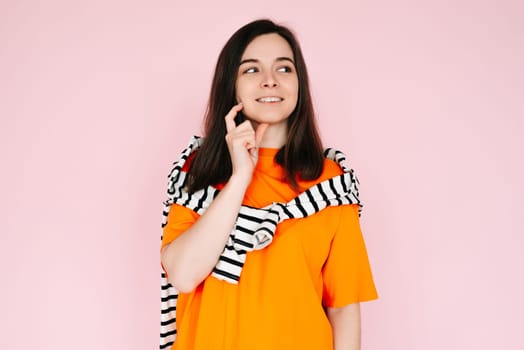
{"x": 251, "y": 70}
{"x": 285, "y": 69}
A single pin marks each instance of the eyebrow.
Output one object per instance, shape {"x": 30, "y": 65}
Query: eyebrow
{"x": 253, "y": 60}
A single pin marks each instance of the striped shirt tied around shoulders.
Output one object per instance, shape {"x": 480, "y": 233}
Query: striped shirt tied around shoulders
{"x": 254, "y": 228}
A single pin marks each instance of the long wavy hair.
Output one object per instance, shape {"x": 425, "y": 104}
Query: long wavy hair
{"x": 302, "y": 154}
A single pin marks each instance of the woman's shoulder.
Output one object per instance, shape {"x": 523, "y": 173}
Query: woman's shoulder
{"x": 189, "y": 160}
{"x": 330, "y": 169}
{"x": 187, "y": 155}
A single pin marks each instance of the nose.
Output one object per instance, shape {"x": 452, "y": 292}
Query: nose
{"x": 269, "y": 80}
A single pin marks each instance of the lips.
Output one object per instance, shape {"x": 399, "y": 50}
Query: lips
{"x": 269, "y": 99}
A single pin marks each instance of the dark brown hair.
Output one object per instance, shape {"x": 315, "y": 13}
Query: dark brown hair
{"x": 301, "y": 156}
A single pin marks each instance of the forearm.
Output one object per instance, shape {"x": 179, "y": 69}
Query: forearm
{"x": 190, "y": 258}
{"x": 345, "y": 322}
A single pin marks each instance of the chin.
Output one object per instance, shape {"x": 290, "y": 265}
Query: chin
{"x": 268, "y": 117}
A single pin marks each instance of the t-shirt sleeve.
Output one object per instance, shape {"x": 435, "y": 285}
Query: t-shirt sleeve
{"x": 347, "y": 273}
{"x": 179, "y": 219}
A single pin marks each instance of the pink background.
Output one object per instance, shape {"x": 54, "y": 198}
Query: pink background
{"x": 98, "y": 97}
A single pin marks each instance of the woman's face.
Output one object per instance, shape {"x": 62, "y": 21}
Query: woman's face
{"x": 267, "y": 81}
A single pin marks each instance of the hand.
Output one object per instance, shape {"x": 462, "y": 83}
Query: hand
{"x": 242, "y": 142}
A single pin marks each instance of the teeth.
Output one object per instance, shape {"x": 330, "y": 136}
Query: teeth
{"x": 270, "y": 99}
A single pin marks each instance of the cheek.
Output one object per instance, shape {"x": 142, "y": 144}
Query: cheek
{"x": 292, "y": 87}
{"x": 241, "y": 92}
{"x": 295, "y": 98}
{"x": 296, "y": 87}
{"x": 295, "y": 92}
{"x": 239, "y": 88}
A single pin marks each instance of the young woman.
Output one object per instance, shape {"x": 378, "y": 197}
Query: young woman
{"x": 261, "y": 246}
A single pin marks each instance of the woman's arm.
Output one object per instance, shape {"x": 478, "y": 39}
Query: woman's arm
{"x": 190, "y": 258}
{"x": 345, "y": 322}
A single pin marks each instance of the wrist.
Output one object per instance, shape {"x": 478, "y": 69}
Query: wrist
{"x": 239, "y": 181}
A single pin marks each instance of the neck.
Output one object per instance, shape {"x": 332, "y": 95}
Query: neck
{"x": 275, "y": 136}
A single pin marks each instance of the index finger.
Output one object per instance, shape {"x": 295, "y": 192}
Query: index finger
{"x": 259, "y": 133}
{"x": 230, "y": 117}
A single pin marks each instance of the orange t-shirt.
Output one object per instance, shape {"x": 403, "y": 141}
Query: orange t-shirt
{"x": 313, "y": 262}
